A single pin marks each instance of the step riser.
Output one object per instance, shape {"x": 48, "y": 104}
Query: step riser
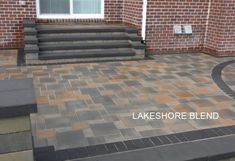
{"x": 29, "y": 23}
{"x": 31, "y": 51}
{"x": 84, "y": 31}
{"x": 84, "y": 47}
{"x": 87, "y": 39}
{"x": 85, "y": 60}
{"x": 31, "y": 41}
{"x": 85, "y": 56}
{"x": 83, "y": 50}
{"x": 139, "y": 51}
{"x": 88, "y": 34}
{"x": 30, "y": 33}
{"x": 86, "y": 43}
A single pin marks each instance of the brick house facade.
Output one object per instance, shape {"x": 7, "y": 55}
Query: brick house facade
{"x": 213, "y": 23}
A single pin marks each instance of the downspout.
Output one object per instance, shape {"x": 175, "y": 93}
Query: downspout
{"x": 207, "y": 22}
{"x": 144, "y": 20}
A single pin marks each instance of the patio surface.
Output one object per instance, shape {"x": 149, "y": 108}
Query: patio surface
{"x": 89, "y": 104}
{"x": 228, "y": 76}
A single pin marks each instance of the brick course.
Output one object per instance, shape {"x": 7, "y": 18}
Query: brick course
{"x": 11, "y": 18}
{"x": 132, "y": 12}
{"x": 164, "y": 14}
{"x": 220, "y": 39}
{"x": 113, "y": 11}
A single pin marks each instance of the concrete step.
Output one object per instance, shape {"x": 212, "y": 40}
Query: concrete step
{"x": 77, "y": 42}
{"x": 69, "y": 46}
{"x": 28, "y": 39}
{"x": 81, "y": 42}
{"x": 81, "y": 34}
{"x": 50, "y": 29}
{"x": 30, "y": 31}
{"x": 73, "y": 37}
{"x": 31, "y": 48}
{"x": 138, "y": 45}
{"x": 29, "y": 23}
{"x": 84, "y": 60}
{"x": 69, "y": 54}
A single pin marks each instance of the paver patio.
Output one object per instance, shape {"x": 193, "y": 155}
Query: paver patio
{"x": 228, "y": 76}
{"x": 89, "y": 104}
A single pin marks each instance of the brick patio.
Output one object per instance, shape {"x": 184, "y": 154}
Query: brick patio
{"x": 89, "y": 104}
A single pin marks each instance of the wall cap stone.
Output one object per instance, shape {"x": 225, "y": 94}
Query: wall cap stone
{"x": 17, "y": 98}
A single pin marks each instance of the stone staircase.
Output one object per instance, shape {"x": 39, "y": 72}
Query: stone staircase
{"x": 51, "y": 44}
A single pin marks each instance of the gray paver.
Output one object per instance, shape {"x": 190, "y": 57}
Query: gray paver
{"x": 15, "y": 142}
{"x": 70, "y": 139}
{"x": 104, "y": 129}
{"x": 88, "y": 115}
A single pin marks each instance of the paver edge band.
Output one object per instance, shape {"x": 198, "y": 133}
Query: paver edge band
{"x": 41, "y": 154}
{"x": 217, "y": 77}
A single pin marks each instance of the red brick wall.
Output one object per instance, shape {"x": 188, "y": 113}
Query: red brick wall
{"x": 164, "y": 14}
{"x": 132, "y": 12}
{"x": 220, "y": 39}
{"x": 11, "y": 17}
{"x": 113, "y": 10}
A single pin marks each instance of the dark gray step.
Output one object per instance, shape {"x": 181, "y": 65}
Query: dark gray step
{"x": 29, "y": 23}
{"x": 30, "y": 31}
{"x": 220, "y": 148}
{"x": 30, "y": 39}
{"x": 83, "y": 34}
{"x": 58, "y": 43}
{"x": 138, "y": 45}
{"x": 61, "y": 38}
{"x": 74, "y": 46}
{"x": 72, "y": 29}
{"x": 31, "y": 48}
{"x": 85, "y": 54}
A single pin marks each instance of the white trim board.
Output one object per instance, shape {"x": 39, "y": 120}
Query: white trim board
{"x": 71, "y": 15}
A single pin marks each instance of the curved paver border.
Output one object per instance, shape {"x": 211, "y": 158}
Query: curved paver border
{"x": 217, "y": 77}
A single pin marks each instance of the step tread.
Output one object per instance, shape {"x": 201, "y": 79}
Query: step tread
{"x": 85, "y": 50}
{"x": 83, "y": 43}
{"x": 29, "y": 29}
{"x": 87, "y": 37}
{"x": 29, "y": 23}
{"x": 74, "y": 26}
{"x": 85, "y": 60}
{"x": 90, "y": 45}
{"x": 85, "y": 54}
{"x": 30, "y": 46}
{"x": 30, "y": 38}
{"x": 82, "y": 29}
